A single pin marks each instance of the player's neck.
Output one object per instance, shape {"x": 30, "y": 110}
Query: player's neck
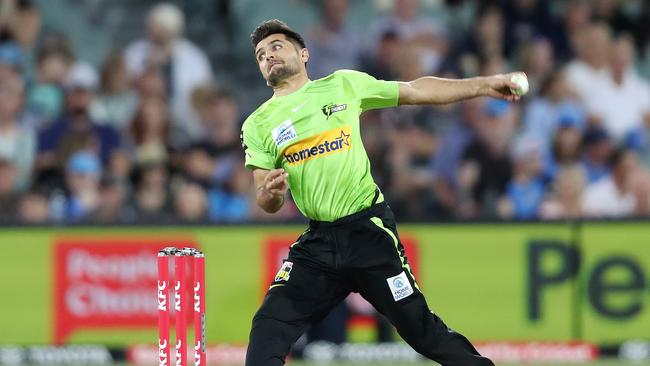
{"x": 290, "y": 85}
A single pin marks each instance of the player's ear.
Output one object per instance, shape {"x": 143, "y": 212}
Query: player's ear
{"x": 304, "y": 55}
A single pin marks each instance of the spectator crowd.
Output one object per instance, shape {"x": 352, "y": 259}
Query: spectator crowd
{"x": 152, "y": 136}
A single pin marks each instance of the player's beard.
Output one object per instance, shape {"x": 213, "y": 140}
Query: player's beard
{"x": 280, "y": 73}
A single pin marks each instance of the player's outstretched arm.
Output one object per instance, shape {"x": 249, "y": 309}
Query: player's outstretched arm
{"x": 433, "y": 90}
{"x": 272, "y": 186}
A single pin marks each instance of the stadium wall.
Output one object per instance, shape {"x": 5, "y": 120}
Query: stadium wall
{"x": 493, "y": 282}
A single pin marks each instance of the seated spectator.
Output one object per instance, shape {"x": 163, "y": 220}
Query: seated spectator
{"x": 565, "y": 147}
{"x": 20, "y": 21}
{"x": 486, "y": 41}
{"x": 76, "y": 130}
{"x": 592, "y": 45}
{"x": 486, "y": 166}
{"x": 232, "y": 202}
{"x": 639, "y": 141}
{"x": 10, "y": 60}
{"x": 45, "y": 96}
{"x": 447, "y": 160}
{"x": 324, "y": 41}
{"x": 220, "y": 120}
{"x": 151, "y": 199}
{"x": 82, "y": 177}
{"x": 380, "y": 64}
{"x": 525, "y": 191}
{"x": 575, "y": 14}
{"x": 149, "y": 130}
{"x": 151, "y": 84}
{"x": 190, "y": 203}
{"x": 597, "y": 149}
{"x": 537, "y": 62}
{"x": 33, "y": 208}
{"x": 414, "y": 147}
{"x": 112, "y": 197}
{"x": 414, "y": 29}
{"x": 116, "y": 102}
{"x": 17, "y": 142}
{"x": 620, "y": 102}
{"x": 613, "y": 195}
{"x": 525, "y": 20}
{"x": 184, "y": 66}
{"x": 215, "y": 161}
{"x": 555, "y": 102}
{"x": 565, "y": 201}
{"x": 9, "y": 199}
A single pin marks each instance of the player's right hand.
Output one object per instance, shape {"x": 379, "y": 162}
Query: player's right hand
{"x": 276, "y": 182}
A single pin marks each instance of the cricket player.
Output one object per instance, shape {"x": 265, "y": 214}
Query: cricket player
{"x": 307, "y": 139}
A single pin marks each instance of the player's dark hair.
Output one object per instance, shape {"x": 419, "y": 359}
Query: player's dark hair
{"x": 275, "y": 26}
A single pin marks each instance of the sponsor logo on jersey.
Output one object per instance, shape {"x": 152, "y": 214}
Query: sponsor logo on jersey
{"x": 284, "y": 132}
{"x": 332, "y": 108}
{"x": 326, "y": 143}
{"x": 283, "y": 273}
{"x": 400, "y": 286}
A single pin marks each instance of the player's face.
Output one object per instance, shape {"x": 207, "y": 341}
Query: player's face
{"x": 278, "y": 58}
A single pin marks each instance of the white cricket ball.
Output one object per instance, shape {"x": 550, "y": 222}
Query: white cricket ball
{"x": 522, "y": 84}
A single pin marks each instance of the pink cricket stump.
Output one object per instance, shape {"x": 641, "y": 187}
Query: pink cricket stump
{"x": 163, "y": 309}
{"x": 199, "y": 309}
{"x": 180, "y": 298}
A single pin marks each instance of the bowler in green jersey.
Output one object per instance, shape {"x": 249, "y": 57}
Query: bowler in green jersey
{"x": 306, "y": 138}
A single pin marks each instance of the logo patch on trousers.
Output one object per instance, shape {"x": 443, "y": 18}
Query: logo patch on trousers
{"x": 400, "y": 286}
{"x": 283, "y": 273}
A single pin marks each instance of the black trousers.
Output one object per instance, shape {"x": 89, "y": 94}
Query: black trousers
{"x": 360, "y": 253}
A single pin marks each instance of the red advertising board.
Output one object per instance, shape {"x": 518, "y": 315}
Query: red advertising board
{"x": 108, "y": 283}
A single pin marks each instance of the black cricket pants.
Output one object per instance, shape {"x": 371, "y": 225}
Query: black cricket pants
{"x": 358, "y": 253}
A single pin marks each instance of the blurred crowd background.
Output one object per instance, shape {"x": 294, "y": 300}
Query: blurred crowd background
{"x": 120, "y": 111}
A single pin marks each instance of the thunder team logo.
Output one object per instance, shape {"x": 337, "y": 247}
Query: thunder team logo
{"x": 323, "y": 144}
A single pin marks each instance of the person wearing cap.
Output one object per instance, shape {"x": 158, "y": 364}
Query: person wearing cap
{"x": 10, "y": 59}
{"x": 597, "y": 148}
{"x": 76, "y": 130}
{"x": 564, "y": 146}
{"x": 183, "y": 64}
{"x": 525, "y": 191}
{"x": 555, "y": 102}
{"x": 83, "y": 172}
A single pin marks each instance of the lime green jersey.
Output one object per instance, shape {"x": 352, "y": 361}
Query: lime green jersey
{"x": 314, "y": 134}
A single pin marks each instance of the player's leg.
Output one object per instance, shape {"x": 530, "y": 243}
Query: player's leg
{"x": 390, "y": 286}
{"x": 301, "y": 294}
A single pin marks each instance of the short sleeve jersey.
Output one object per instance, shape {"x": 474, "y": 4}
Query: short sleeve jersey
{"x": 314, "y": 134}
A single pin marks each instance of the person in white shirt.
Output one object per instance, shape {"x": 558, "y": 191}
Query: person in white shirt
{"x": 592, "y": 44}
{"x": 621, "y": 101}
{"x": 412, "y": 28}
{"x": 614, "y": 196}
{"x": 183, "y": 64}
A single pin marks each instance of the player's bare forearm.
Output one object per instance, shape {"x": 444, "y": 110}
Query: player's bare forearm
{"x": 271, "y": 189}
{"x": 434, "y": 90}
{"x": 269, "y": 202}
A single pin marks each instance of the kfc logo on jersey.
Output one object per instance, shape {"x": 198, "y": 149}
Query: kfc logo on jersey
{"x": 284, "y": 132}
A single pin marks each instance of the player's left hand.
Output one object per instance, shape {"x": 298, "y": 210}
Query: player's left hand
{"x": 499, "y": 86}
